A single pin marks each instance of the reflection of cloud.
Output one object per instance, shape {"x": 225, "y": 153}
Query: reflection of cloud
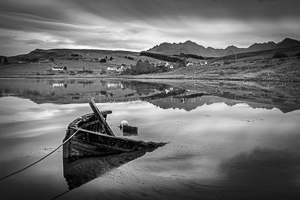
{"x": 34, "y": 131}
{"x": 209, "y": 134}
{"x": 184, "y": 164}
{"x": 204, "y": 143}
{"x": 16, "y": 110}
{"x": 263, "y": 169}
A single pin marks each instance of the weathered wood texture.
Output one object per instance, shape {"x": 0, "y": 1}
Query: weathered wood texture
{"x": 94, "y": 137}
{"x": 101, "y": 118}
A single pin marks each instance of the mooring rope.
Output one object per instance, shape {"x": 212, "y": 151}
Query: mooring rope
{"x": 62, "y": 194}
{"x": 39, "y": 159}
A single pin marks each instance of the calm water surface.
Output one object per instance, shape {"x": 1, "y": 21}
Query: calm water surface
{"x": 219, "y": 148}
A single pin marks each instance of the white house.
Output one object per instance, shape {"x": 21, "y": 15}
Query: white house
{"x": 203, "y": 62}
{"x": 59, "y": 68}
{"x": 120, "y": 69}
{"x": 111, "y": 69}
{"x": 166, "y": 64}
{"x": 116, "y": 69}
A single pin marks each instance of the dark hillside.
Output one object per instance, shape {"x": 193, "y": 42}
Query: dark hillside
{"x": 64, "y": 54}
{"x": 192, "y": 48}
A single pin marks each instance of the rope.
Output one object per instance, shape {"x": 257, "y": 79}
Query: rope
{"x": 62, "y": 194}
{"x": 39, "y": 159}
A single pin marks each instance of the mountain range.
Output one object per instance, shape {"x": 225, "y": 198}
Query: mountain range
{"x": 190, "y": 47}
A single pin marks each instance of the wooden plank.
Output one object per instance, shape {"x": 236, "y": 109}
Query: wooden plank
{"x": 108, "y": 136}
{"x": 105, "y": 112}
{"x": 100, "y": 117}
{"x": 87, "y": 146}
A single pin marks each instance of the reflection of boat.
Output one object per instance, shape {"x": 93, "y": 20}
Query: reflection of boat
{"x": 83, "y": 170}
{"x": 95, "y": 137}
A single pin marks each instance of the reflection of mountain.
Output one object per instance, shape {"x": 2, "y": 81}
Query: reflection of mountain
{"x": 141, "y": 91}
{"x": 86, "y": 83}
{"x": 170, "y": 92}
{"x": 192, "y": 103}
{"x": 144, "y": 88}
{"x": 83, "y": 170}
{"x": 189, "y": 104}
{"x": 284, "y": 96}
{"x": 190, "y": 96}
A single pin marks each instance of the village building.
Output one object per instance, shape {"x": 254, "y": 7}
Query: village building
{"x": 59, "y": 68}
{"x": 166, "y": 64}
{"x": 203, "y": 62}
{"x": 111, "y": 69}
{"x": 190, "y": 64}
{"x": 117, "y": 69}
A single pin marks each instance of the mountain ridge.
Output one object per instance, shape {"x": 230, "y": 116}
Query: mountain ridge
{"x": 190, "y": 47}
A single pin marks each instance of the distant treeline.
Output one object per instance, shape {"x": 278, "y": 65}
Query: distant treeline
{"x": 129, "y": 57}
{"x": 30, "y": 59}
{"x": 174, "y": 58}
{"x": 145, "y": 67}
{"x": 75, "y": 55}
{"x": 161, "y": 56}
{"x": 183, "y": 55}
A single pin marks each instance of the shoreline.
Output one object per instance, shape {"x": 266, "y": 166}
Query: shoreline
{"x": 143, "y": 77}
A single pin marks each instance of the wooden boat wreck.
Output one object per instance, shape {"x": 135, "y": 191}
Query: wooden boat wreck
{"x": 94, "y": 137}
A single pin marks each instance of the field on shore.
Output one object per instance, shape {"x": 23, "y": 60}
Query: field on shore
{"x": 255, "y": 66}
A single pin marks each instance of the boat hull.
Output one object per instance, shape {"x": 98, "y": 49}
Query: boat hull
{"x": 90, "y": 140}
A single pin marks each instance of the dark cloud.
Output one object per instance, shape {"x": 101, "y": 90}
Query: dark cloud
{"x": 207, "y": 9}
{"x": 46, "y": 10}
{"x": 139, "y": 25}
{"x": 136, "y": 10}
{"x": 23, "y": 22}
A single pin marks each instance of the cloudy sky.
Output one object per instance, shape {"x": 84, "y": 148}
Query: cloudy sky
{"x": 141, "y": 24}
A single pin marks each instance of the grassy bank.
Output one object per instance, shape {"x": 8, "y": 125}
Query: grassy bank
{"x": 254, "y": 66}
